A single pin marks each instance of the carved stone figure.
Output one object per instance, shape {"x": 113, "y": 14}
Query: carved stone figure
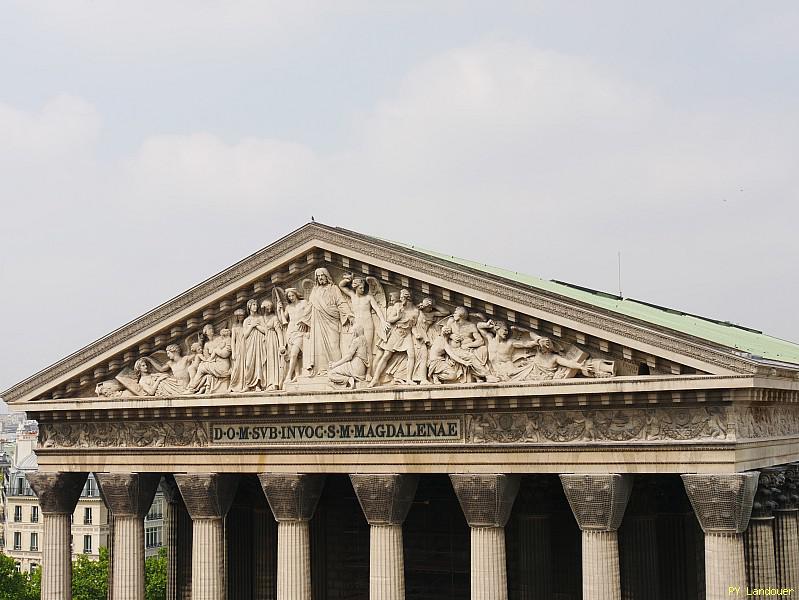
{"x": 549, "y": 364}
{"x": 111, "y": 388}
{"x": 354, "y": 364}
{"x": 255, "y": 352}
{"x": 400, "y": 330}
{"x": 426, "y": 334}
{"x": 237, "y": 349}
{"x": 502, "y": 350}
{"x": 153, "y": 380}
{"x": 293, "y": 316}
{"x": 329, "y": 314}
{"x": 275, "y": 346}
{"x": 213, "y": 370}
{"x": 443, "y": 364}
{"x": 368, "y": 312}
{"x": 472, "y": 350}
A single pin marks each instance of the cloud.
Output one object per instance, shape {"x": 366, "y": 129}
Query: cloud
{"x": 535, "y": 160}
{"x": 178, "y": 29}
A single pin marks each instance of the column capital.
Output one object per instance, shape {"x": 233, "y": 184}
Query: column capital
{"x": 128, "y": 494}
{"x": 722, "y": 502}
{"x": 207, "y": 495}
{"x": 292, "y": 496}
{"x": 57, "y": 492}
{"x": 788, "y": 496}
{"x": 597, "y": 500}
{"x": 768, "y": 489}
{"x": 486, "y": 499}
{"x": 169, "y": 488}
{"x": 385, "y": 498}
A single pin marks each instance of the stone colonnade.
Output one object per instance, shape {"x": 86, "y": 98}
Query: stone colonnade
{"x": 761, "y": 551}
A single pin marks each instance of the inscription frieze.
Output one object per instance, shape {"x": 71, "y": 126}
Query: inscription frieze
{"x": 386, "y": 431}
{"x": 548, "y": 427}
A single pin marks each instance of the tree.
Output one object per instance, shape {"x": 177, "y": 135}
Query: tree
{"x": 155, "y": 576}
{"x": 90, "y": 577}
{"x": 14, "y": 585}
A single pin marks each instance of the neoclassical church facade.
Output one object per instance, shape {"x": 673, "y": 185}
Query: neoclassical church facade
{"x": 340, "y": 417}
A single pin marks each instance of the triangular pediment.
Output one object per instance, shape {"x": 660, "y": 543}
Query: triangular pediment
{"x": 579, "y": 330}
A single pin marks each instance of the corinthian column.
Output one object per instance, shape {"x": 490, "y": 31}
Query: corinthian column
{"x": 128, "y": 497}
{"x": 385, "y": 500}
{"x": 208, "y": 497}
{"x": 58, "y": 494}
{"x": 293, "y": 499}
{"x": 486, "y": 501}
{"x": 761, "y": 563}
{"x": 786, "y": 529}
{"x": 171, "y": 534}
{"x": 722, "y": 504}
{"x": 598, "y": 503}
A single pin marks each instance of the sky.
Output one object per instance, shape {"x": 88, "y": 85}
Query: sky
{"x": 145, "y": 146}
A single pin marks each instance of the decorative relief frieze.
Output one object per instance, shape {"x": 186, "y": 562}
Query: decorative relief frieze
{"x": 767, "y": 421}
{"x": 135, "y": 434}
{"x": 614, "y": 425}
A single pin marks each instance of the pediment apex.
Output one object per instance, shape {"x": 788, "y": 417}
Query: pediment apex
{"x": 531, "y": 305}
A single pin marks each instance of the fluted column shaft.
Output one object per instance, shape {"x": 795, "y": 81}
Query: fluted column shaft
{"x": 601, "y": 576}
{"x": 724, "y": 564}
{"x": 185, "y": 553}
{"x": 207, "y": 561}
{"x": 598, "y": 503}
{"x": 208, "y": 497}
{"x": 293, "y": 499}
{"x": 128, "y": 497}
{"x": 171, "y": 543}
{"x": 265, "y": 550}
{"x": 723, "y": 505}
{"x": 489, "y": 578}
{"x": 293, "y": 561}
{"x": 57, "y": 557}
{"x": 761, "y": 568}
{"x": 386, "y": 563}
{"x": 486, "y": 501}
{"x": 128, "y": 581}
{"x": 786, "y": 547}
{"x": 535, "y": 555}
{"x": 58, "y": 495}
{"x": 640, "y": 548}
{"x": 385, "y": 500}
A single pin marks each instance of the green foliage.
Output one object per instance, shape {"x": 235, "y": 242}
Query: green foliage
{"x": 90, "y": 577}
{"x": 155, "y": 576}
{"x": 14, "y": 585}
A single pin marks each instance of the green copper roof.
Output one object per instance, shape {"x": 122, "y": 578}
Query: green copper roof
{"x": 753, "y": 342}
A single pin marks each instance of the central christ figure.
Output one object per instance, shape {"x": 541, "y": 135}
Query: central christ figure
{"x": 329, "y": 313}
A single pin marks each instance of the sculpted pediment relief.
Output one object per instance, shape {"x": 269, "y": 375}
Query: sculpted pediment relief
{"x": 349, "y": 331}
{"x": 328, "y": 309}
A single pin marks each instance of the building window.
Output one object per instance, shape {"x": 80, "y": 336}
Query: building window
{"x": 90, "y": 489}
{"x": 87, "y": 544}
{"x": 152, "y": 537}
{"x": 156, "y": 509}
{"x": 34, "y": 514}
{"x": 17, "y": 514}
{"x": 34, "y": 542}
{"x": 87, "y": 516}
{"x": 33, "y": 566}
{"x": 17, "y": 540}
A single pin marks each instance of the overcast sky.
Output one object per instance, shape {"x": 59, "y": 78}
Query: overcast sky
{"x": 147, "y": 145}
